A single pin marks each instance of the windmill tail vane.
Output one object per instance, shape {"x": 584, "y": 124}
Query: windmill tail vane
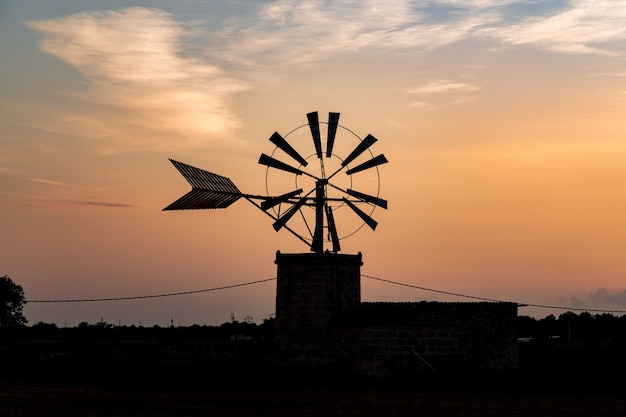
{"x": 208, "y": 190}
{"x": 213, "y": 191}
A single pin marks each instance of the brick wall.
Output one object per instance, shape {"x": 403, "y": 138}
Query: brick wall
{"x": 444, "y": 335}
{"x": 313, "y": 289}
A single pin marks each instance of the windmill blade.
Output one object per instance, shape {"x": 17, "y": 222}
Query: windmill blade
{"x": 361, "y": 147}
{"x": 278, "y": 224}
{"x": 208, "y": 190}
{"x": 333, "y": 121}
{"x": 279, "y": 141}
{"x": 378, "y": 160}
{"x": 275, "y": 163}
{"x": 332, "y": 229}
{"x": 271, "y": 202}
{"x": 367, "y": 219}
{"x": 314, "y": 125}
{"x": 368, "y": 198}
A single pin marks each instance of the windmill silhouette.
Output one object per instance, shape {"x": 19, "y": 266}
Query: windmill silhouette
{"x": 323, "y": 184}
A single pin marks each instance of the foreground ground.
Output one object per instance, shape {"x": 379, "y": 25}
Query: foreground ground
{"x": 239, "y": 394}
{"x": 94, "y": 371}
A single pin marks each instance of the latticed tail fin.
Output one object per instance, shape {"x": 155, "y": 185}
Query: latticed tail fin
{"x": 208, "y": 190}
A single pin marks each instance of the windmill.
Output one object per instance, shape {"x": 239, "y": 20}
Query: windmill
{"x": 321, "y": 192}
{"x": 323, "y": 183}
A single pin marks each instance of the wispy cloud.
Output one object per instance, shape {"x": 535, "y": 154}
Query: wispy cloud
{"x": 610, "y": 74}
{"x": 619, "y": 298}
{"x": 455, "y": 92}
{"x": 55, "y": 193}
{"x": 443, "y": 86}
{"x": 299, "y": 32}
{"x": 104, "y": 204}
{"x": 600, "y": 299}
{"x": 294, "y": 33}
{"x": 586, "y": 26}
{"x": 52, "y": 182}
{"x": 140, "y": 72}
{"x": 132, "y": 60}
{"x": 7, "y": 170}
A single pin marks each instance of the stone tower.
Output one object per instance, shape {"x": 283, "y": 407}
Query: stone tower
{"x": 312, "y": 289}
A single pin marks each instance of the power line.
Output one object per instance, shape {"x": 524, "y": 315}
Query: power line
{"x": 139, "y": 297}
{"x": 491, "y": 299}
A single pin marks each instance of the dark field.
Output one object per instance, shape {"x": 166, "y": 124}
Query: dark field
{"x": 46, "y": 400}
{"x": 310, "y": 395}
{"x": 96, "y": 371}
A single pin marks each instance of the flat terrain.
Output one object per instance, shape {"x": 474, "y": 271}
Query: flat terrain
{"x": 237, "y": 395}
{"x": 94, "y": 371}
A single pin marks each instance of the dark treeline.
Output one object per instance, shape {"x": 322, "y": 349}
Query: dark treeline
{"x": 574, "y": 328}
{"x": 568, "y": 343}
{"x": 228, "y": 335}
{"x": 568, "y": 327}
{"x": 104, "y": 350}
{"x": 573, "y": 344}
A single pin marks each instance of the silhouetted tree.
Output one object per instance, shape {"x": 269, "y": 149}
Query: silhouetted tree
{"x": 11, "y": 302}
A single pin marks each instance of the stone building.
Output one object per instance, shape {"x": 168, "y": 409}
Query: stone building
{"x": 319, "y": 310}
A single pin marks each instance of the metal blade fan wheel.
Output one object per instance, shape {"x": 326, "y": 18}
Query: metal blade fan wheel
{"x": 336, "y": 175}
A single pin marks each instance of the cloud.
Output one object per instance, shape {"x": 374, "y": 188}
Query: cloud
{"x": 609, "y": 74}
{"x": 600, "y": 299}
{"x": 104, "y": 204}
{"x": 52, "y": 182}
{"x": 443, "y": 86}
{"x": 63, "y": 193}
{"x": 294, "y": 33}
{"x": 7, "y": 170}
{"x": 586, "y": 26}
{"x": 141, "y": 72}
{"x": 133, "y": 61}
{"x": 477, "y": 3}
{"x": 619, "y": 299}
{"x": 455, "y": 92}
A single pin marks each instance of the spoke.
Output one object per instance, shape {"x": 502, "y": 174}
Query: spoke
{"x": 278, "y": 224}
{"x": 271, "y": 202}
{"x": 276, "y": 218}
{"x": 282, "y": 220}
{"x": 306, "y": 223}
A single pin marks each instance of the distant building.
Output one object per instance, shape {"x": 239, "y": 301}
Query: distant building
{"x": 319, "y": 310}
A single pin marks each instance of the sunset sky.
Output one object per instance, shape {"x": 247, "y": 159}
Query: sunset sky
{"x": 504, "y": 123}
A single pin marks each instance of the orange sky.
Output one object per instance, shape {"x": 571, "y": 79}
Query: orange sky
{"x": 502, "y": 121}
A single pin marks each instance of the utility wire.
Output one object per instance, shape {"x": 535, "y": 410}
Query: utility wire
{"x": 491, "y": 299}
{"x": 139, "y": 297}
